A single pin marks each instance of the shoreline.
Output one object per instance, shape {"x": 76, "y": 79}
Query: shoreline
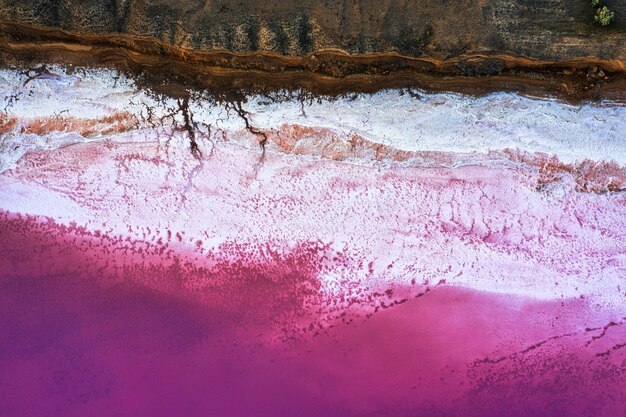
{"x": 172, "y": 71}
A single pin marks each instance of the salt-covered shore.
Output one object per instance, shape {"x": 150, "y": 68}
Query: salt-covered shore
{"x": 474, "y": 239}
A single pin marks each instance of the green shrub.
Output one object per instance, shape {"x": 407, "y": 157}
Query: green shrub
{"x": 595, "y": 3}
{"x": 604, "y": 16}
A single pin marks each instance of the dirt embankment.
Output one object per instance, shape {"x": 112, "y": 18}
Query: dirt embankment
{"x": 530, "y": 46}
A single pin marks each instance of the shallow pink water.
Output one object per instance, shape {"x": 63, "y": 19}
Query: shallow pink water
{"x": 75, "y": 345}
{"x": 333, "y": 276}
{"x": 98, "y": 323}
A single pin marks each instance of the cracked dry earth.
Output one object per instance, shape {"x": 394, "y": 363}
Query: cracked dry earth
{"x": 392, "y": 254}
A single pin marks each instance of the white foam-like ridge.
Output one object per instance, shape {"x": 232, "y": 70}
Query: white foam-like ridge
{"x": 432, "y": 122}
{"x": 457, "y": 123}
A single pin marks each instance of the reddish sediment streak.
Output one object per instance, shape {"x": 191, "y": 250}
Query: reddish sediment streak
{"x": 139, "y": 279}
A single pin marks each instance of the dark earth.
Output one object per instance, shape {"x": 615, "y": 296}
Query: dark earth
{"x": 536, "y": 47}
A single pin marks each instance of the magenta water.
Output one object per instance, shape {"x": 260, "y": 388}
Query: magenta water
{"x": 73, "y": 343}
{"x": 469, "y": 268}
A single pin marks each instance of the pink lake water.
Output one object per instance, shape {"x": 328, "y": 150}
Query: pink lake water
{"x": 385, "y": 256}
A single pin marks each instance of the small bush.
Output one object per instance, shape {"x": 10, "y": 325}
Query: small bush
{"x": 595, "y": 3}
{"x": 604, "y": 16}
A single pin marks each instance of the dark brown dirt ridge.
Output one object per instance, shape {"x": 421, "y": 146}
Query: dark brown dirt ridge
{"x": 540, "y": 48}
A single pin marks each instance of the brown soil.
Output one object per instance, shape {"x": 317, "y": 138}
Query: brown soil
{"x": 552, "y": 30}
{"x": 171, "y": 70}
{"x": 536, "y": 47}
